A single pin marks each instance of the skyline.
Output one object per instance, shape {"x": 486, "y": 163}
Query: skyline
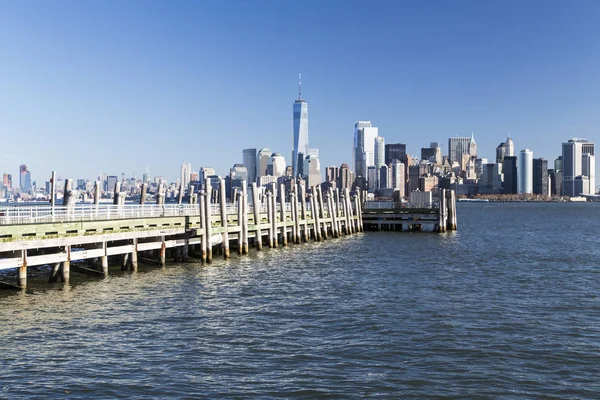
{"x": 94, "y": 88}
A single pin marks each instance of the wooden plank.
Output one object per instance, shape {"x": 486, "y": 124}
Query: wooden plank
{"x": 84, "y": 254}
{"x": 46, "y": 259}
{"x": 145, "y": 246}
{"x": 7, "y": 263}
{"x": 126, "y": 249}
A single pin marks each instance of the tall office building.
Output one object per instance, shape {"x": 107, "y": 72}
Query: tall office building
{"x": 186, "y": 174}
{"x": 7, "y": 180}
{"x": 300, "y": 130}
{"x": 312, "y": 169}
{"x": 364, "y": 146}
{"x": 346, "y": 177}
{"x": 205, "y": 172}
{"x": 457, "y": 146}
{"x": 588, "y": 168}
{"x": 262, "y": 159}
{"x": 395, "y": 151}
{"x": 332, "y": 173}
{"x": 276, "y": 165}
{"x": 575, "y": 166}
{"x": 379, "y": 151}
{"x": 509, "y": 169}
{"x": 505, "y": 149}
{"x": 525, "y": 172}
{"x": 24, "y": 178}
{"x": 385, "y": 179}
{"x": 249, "y": 160}
{"x": 540, "y": 177}
{"x": 398, "y": 177}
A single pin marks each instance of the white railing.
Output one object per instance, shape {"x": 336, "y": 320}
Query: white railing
{"x": 10, "y": 215}
{"x": 31, "y": 214}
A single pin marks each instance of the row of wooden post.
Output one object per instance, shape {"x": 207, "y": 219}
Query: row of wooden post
{"x": 340, "y": 214}
{"x": 447, "y": 214}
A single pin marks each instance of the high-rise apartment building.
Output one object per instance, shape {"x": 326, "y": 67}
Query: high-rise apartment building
{"x": 525, "y": 172}
{"x": 300, "y": 151}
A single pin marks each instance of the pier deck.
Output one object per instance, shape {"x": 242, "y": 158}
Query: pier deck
{"x": 83, "y": 237}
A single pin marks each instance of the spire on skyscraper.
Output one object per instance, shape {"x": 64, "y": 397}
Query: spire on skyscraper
{"x": 300, "y": 86}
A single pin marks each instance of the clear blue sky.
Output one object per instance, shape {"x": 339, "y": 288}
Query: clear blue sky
{"x": 108, "y": 86}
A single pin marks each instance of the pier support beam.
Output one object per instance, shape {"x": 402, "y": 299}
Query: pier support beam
{"x": 244, "y": 217}
{"x": 303, "y": 209}
{"x": 65, "y": 267}
{"x": 22, "y": 278}
{"x": 202, "y": 206}
{"x": 134, "y": 256}
{"x": 208, "y": 221}
{"x": 256, "y": 210}
{"x": 223, "y": 205}
{"x": 143, "y": 193}
{"x": 54, "y": 273}
{"x": 282, "y": 212}
{"x": 321, "y": 212}
{"x": 270, "y": 217}
{"x": 162, "y": 254}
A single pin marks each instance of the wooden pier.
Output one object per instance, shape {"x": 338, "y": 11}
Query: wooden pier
{"x": 390, "y": 216}
{"x": 86, "y": 238}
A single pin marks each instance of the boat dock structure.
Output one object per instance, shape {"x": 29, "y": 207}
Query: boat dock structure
{"x": 85, "y": 238}
{"x": 429, "y": 216}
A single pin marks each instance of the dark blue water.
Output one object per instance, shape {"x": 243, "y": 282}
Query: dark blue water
{"x": 507, "y": 307}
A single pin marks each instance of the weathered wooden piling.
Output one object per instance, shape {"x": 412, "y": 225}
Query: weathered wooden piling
{"x": 244, "y": 217}
{"x": 270, "y": 219}
{"x": 104, "y": 260}
{"x": 134, "y": 256}
{"x": 330, "y": 206}
{"x": 53, "y": 191}
{"x": 223, "y": 208}
{"x": 96, "y": 193}
{"x": 295, "y": 214}
{"x": 143, "y": 193}
{"x": 240, "y": 210}
{"x": 203, "y": 239}
{"x": 68, "y": 191}
{"x": 208, "y": 210}
{"x": 314, "y": 210}
{"x": 282, "y": 213}
{"x": 303, "y": 209}
{"x": 257, "y": 221}
{"x": 180, "y": 195}
{"x": 451, "y": 206}
{"x": 274, "y": 215}
{"x": 321, "y": 212}
{"x": 22, "y": 277}
{"x": 65, "y": 268}
{"x": 348, "y": 212}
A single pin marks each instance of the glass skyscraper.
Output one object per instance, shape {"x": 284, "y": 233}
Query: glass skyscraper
{"x": 300, "y": 132}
